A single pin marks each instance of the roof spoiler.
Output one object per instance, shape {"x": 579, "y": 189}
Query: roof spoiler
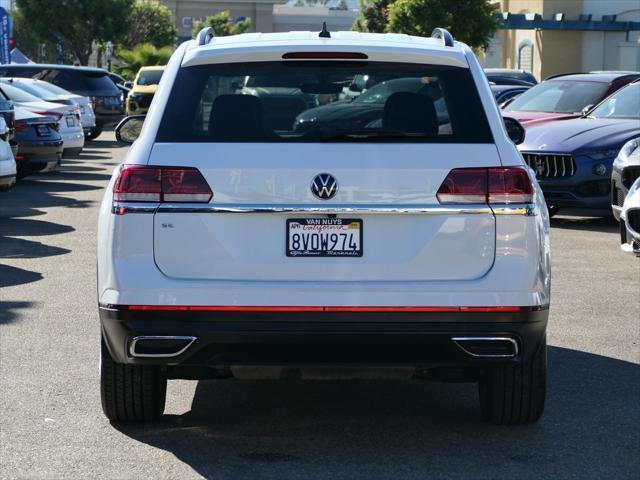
{"x": 444, "y": 35}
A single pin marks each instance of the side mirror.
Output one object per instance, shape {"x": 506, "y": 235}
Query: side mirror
{"x": 355, "y": 88}
{"x": 515, "y": 130}
{"x": 586, "y": 109}
{"x": 128, "y": 84}
{"x": 128, "y": 130}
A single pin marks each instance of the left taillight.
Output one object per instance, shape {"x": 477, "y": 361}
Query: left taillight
{"x": 494, "y": 185}
{"x": 146, "y": 183}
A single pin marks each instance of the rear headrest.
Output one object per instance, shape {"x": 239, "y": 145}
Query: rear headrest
{"x": 411, "y": 113}
{"x": 236, "y": 117}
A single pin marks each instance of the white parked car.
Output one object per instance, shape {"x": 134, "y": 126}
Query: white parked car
{"x": 630, "y": 220}
{"x": 58, "y": 94}
{"x": 395, "y": 236}
{"x": 68, "y": 116}
{"x": 625, "y": 171}
{"x": 7, "y": 162}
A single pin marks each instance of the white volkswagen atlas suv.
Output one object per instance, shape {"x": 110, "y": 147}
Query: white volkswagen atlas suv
{"x": 396, "y": 228}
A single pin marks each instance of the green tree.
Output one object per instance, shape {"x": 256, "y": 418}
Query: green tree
{"x": 470, "y": 21}
{"x": 78, "y": 22}
{"x": 151, "y": 23}
{"x": 29, "y": 43}
{"x": 143, "y": 55}
{"x": 373, "y": 16}
{"x": 223, "y": 25}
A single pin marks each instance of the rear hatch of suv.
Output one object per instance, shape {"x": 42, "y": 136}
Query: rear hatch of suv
{"x": 95, "y": 84}
{"x": 348, "y": 194}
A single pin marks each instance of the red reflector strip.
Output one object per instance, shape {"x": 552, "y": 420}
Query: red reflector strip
{"x": 251, "y": 308}
{"x": 325, "y": 56}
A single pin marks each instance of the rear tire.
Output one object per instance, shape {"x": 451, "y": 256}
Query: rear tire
{"x": 131, "y": 393}
{"x": 515, "y": 394}
{"x": 93, "y": 133}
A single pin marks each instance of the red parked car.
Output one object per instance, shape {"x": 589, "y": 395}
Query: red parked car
{"x": 565, "y": 96}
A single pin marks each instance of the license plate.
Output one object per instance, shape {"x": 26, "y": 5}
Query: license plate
{"x": 43, "y": 130}
{"x": 70, "y": 121}
{"x": 324, "y": 237}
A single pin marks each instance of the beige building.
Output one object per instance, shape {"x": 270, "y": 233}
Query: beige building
{"x": 266, "y": 15}
{"x": 288, "y": 18}
{"x": 576, "y": 36}
{"x": 188, "y": 12}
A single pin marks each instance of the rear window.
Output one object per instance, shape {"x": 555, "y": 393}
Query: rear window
{"x": 16, "y": 94}
{"x": 79, "y": 80}
{"x": 625, "y": 103}
{"x": 558, "y": 96}
{"x": 149, "y": 77}
{"x": 324, "y": 101}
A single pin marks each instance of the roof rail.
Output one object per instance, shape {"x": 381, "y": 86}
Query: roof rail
{"x": 205, "y": 36}
{"x": 444, "y": 35}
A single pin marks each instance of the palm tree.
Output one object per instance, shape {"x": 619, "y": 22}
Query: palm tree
{"x": 142, "y": 55}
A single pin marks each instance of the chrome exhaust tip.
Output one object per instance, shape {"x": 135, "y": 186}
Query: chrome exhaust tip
{"x": 159, "y": 346}
{"x": 487, "y": 347}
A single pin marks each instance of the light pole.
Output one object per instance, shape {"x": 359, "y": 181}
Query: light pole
{"x": 109, "y": 54}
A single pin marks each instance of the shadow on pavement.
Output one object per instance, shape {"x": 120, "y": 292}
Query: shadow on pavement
{"x": 592, "y": 224}
{"x": 18, "y": 227}
{"x": 87, "y": 156}
{"x": 102, "y": 144}
{"x": 10, "y": 276}
{"x": 237, "y": 429}
{"x": 19, "y": 217}
{"x": 20, "y": 248}
{"x": 9, "y": 311}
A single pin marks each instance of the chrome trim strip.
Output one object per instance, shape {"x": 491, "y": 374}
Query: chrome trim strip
{"x": 134, "y": 342}
{"x": 121, "y": 208}
{"x": 330, "y": 209}
{"x": 526, "y": 209}
{"x": 474, "y": 339}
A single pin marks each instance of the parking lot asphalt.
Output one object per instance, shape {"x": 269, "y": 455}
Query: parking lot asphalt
{"x": 51, "y": 424}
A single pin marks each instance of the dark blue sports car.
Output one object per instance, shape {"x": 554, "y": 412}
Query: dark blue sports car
{"x": 573, "y": 159}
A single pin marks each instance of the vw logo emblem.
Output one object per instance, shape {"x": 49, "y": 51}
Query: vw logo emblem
{"x": 324, "y": 186}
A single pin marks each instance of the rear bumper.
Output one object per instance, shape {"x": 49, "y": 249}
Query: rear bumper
{"x": 73, "y": 140}
{"x": 42, "y": 156}
{"x": 7, "y": 181}
{"x": 318, "y": 338}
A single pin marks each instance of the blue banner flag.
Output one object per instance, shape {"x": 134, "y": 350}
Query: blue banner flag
{"x": 5, "y": 57}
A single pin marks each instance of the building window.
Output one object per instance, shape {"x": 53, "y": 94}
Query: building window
{"x": 525, "y": 56}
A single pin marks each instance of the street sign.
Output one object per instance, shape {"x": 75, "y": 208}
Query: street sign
{"x": 5, "y": 55}
{"x": 109, "y": 50}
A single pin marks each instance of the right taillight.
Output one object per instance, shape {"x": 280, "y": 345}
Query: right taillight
{"x": 495, "y": 185}
{"x": 145, "y": 183}
{"x": 20, "y": 126}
